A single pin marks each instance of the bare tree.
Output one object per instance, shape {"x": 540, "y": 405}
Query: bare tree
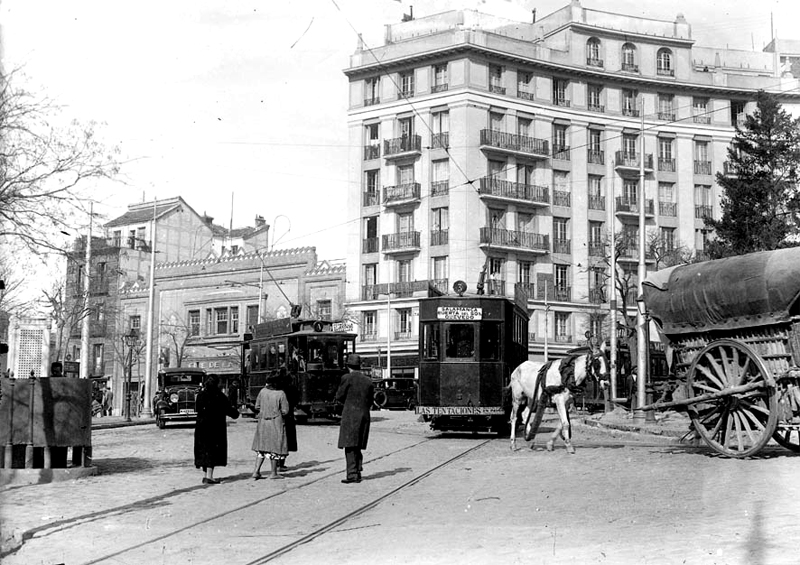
{"x": 43, "y": 168}
{"x": 176, "y": 332}
{"x": 67, "y": 315}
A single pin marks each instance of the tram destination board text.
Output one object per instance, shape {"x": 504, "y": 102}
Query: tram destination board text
{"x": 460, "y": 410}
{"x": 459, "y": 313}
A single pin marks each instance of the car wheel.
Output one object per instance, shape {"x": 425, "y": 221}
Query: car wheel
{"x": 160, "y": 421}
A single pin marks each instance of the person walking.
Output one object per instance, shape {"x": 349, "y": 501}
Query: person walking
{"x": 108, "y": 401}
{"x": 293, "y": 396}
{"x": 270, "y": 441}
{"x": 355, "y": 392}
{"x": 210, "y": 432}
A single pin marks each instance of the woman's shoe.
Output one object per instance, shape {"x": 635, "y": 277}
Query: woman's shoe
{"x": 207, "y": 481}
{"x": 256, "y": 476}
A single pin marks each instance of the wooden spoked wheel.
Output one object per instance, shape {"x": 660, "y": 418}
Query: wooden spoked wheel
{"x": 737, "y": 424}
{"x": 788, "y": 436}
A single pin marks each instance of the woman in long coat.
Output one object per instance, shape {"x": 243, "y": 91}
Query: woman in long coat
{"x": 210, "y": 432}
{"x": 270, "y": 439}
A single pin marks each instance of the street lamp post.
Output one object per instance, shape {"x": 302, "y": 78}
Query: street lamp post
{"x": 130, "y": 340}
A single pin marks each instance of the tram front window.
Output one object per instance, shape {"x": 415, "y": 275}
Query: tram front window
{"x": 490, "y": 341}
{"x": 431, "y": 340}
{"x": 460, "y": 340}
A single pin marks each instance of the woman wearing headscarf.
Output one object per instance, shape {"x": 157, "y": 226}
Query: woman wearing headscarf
{"x": 270, "y": 440}
{"x": 210, "y": 432}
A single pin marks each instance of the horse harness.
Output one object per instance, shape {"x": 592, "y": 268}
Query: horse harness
{"x": 567, "y": 371}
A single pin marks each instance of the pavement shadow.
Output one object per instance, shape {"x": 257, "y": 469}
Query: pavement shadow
{"x": 114, "y": 465}
{"x": 769, "y": 452}
{"x": 384, "y": 474}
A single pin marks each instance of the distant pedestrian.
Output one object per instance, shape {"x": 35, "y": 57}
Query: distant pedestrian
{"x": 293, "y": 396}
{"x": 233, "y": 393}
{"x": 270, "y": 441}
{"x": 355, "y": 392}
{"x": 210, "y": 432}
{"x": 108, "y": 401}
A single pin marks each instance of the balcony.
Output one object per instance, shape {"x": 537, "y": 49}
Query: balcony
{"x": 408, "y": 93}
{"x": 701, "y": 119}
{"x": 730, "y": 169}
{"x": 597, "y": 202}
{"x": 702, "y": 168}
{"x": 668, "y": 209}
{"x": 369, "y": 336}
{"x": 597, "y": 249}
{"x": 666, "y": 165}
{"x": 562, "y": 198}
{"x": 563, "y": 246}
{"x": 494, "y": 286}
{"x": 494, "y": 188}
{"x": 524, "y": 94}
{"x": 372, "y": 101}
{"x": 559, "y": 101}
{"x": 404, "y": 336}
{"x": 439, "y": 88}
{"x": 372, "y": 151}
{"x": 632, "y": 112}
{"x": 703, "y": 211}
{"x": 560, "y": 293}
{"x": 596, "y": 157}
{"x": 402, "y": 146}
{"x": 401, "y": 194}
{"x": 667, "y": 116}
{"x": 442, "y": 285}
{"x": 514, "y": 144}
{"x": 626, "y": 162}
{"x": 665, "y": 72}
{"x": 497, "y": 89}
{"x": 594, "y": 62}
{"x": 370, "y": 292}
{"x": 407, "y": 289}
{"x": 440, "y": 237}
{"x": 440, "y": 140}
{"x": 629, "y": 252}
{"x": 562, "y": 338}
{"x": 401, "y": 242}
{"x": 369, "y": 245}
{"x": 514, "y": 240}
{"x": 561, "y": 152}
{"x": 526, "y": 288}
{"x": 630, "y": 207}
{"x": 630, "y": 68}
{"x": 371, "y": 199}
{"x": 599, "y": 108}
{"x": 440, "y": 188}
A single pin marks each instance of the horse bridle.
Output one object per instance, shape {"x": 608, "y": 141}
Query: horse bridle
{"x": 591, "y": 358}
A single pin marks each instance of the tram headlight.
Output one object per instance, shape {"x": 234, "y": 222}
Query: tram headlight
{"x": 173, "y": 397}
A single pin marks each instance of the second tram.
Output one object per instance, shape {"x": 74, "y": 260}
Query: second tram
{"x": 313, "y": 354}
{"x": 469, "y": 346}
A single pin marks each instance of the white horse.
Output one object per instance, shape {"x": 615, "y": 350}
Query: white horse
{"x": 541, "y": 383}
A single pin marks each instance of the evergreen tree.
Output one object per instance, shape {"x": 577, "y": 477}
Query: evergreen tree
{"x": 760, "y": 201}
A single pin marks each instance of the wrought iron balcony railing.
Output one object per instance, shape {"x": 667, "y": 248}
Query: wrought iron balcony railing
{"x": 633, "y": 112}
{"x": 631, "y": 205}
{"x": 597, "y": 249}
{"x": 594, "y": 62}
{"x": 667, "y": 209}
{"x": 562, "y": 198}
{"x": 401, "y": 193}
{"x": 563, "y": 246}
{"x": 514, "y": 142}
{"x": 701, "y": 119}
{"x": 369, "y": 245}
{"x": 666, "y": 165}
{"x": 665, "y": 72}
{"x": 514, "y": 190}
{"x": 440, "y": 187}
{"x": 517, "y": 239}
{"x": 497, "y": 89}
{"x": 597, "y": 202}
{"x": 561, "y": 102}
{"x": 439, "y": 88}
{"x": 668, "y": 116}
{"x": 404, "y": 144}
{"x": 631, "y": 160}
{"x": 372, "y": 151}
{"x": 702, "y": 167}
{"x": 599, "y": 108}
{"x": 703, "y": 211}
{"x": 371, "y": 199}
{"x": 524, "y": 94}
{"x": 630, "y": 68}
{"x": 440, "y": 237}
{"x": 561, "y": 152}
{"x": 400, "y": 241}
{"x": 596, "y": 157}
{"x": 440, "y": 140}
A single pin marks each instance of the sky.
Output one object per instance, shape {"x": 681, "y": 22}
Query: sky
{"x": 240, "y": 106}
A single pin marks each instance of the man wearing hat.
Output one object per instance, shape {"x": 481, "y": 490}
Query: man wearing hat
{"x": 355, "y": 392}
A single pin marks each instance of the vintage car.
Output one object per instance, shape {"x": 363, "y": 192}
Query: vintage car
{"x": 177, "y": 391}
{"x": 399, "y": 393}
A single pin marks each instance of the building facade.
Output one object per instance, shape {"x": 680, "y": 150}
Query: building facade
{"x": 514, "y": 148}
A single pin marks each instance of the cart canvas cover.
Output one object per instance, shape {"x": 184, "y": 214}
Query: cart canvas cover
{"x": 746, "y": 291}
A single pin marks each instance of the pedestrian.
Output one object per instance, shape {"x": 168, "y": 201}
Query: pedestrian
{"x": 233, "y": 393}
{"x": 108, "y": 401}
{"x": 270, "y": 441}
{"x": 210, "y": 432}
{"x": 355, "y": 392}
{"x": 293, "y": 396}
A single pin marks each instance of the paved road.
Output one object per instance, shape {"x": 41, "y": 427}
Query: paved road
{"x": 426, "y": 499}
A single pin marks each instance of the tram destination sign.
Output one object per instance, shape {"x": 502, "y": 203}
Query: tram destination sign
{"x": 459, "y": 313}
{"x": 460, "y": 410}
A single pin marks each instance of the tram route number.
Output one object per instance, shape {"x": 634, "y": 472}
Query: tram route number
{"x": 459, "y": 313}
{"x": 459, "y": 410}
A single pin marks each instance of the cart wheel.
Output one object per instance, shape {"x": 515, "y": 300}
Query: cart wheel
{"x": 788, "y": 436}
{"x": 738, "y": 425}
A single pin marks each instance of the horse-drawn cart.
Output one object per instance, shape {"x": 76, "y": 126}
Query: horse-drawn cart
{"x": 734, "y": 325}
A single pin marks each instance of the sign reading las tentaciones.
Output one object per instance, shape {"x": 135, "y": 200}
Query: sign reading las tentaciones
{"x": 459, "y": 313}
{"x": 459, "y": 410}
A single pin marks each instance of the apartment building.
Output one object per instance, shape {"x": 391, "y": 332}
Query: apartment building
{"x": 483, "y": 143}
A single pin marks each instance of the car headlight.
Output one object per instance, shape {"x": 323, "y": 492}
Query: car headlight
{"x": 173, "y": 397}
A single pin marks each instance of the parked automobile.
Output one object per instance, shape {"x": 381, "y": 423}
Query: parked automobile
{"x": 396, "y": 393}
{"x": 177, "y": 392}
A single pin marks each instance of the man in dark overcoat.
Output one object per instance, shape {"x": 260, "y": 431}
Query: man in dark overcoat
{"x": 355, "y": 392}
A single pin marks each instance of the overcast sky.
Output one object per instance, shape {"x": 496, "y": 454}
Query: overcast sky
{"x": 209, "y": 98}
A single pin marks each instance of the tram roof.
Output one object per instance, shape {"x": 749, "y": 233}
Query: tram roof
{"x": 428, "y": 305}
{"x": 745, "y": 291}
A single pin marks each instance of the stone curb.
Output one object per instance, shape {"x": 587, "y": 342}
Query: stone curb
{"x": 123, "y": 424}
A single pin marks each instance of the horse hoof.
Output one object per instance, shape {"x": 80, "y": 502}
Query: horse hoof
{"x": 549, "y": 446}
{"x": 570, "y": 449}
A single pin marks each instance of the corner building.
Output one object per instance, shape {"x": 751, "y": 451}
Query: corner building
{"x": 479, "y": 141}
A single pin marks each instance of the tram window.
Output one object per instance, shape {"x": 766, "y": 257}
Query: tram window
{"x": 315, "y": 351}
{"x": 490, "y": 341}
{"x": 332, "y": 357}
{"x": 262, "y": 356}
{"x": 281, "y": 355}
{"x": 431, "y": 340}
{"x": 272, "y": 356}
{"x": 460, "y": 339}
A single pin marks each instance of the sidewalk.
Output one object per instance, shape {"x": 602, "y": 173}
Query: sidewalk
{"x": 665, "y": 424}
{"x": 108, "y": 422}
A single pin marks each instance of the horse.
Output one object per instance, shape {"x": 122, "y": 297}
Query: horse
{"x": 540, "y": 382}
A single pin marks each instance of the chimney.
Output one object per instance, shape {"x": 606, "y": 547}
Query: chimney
{"x": 260, "y": 221}
{"x": 207, "y": 219}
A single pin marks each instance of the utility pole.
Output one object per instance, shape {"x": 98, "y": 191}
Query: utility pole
{"x": 87, "y": 288}
{"x": 147, "y": 410}
{"x": 641, "y": 345}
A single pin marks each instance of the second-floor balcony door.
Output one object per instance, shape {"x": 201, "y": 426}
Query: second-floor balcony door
{"x": 405, "y": 223}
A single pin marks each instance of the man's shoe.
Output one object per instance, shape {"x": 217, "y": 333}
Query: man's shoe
{"x": 348, "y": 481}
{"x": 207, "y": 481}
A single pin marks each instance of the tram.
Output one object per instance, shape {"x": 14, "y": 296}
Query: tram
{"x": 469, "y": 346}
{"x": 313, "y": 354}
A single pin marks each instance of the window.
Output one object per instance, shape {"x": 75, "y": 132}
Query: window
{"x": 372, "y": 91}
{"x": 132, "y": 239}
{"x": 665, "y": 107}
{"x": 135, "y": 322}
{"x": 221, "y": 320}
{"x": 595, "y": 151}
{"x": 629, "y": 145}
{"x": 664, "y": 62}
{"x": 252, "y": 317}
{"x": 140, "y": 243}
{"x": 324, "y": 309}
{"x": 440, "y": 273}
{"x": 372, "y": 147}
{"x": 525, "y": 173}
{"x": 404, "y": 321}
{"x": 370, "y": 280}
{"x": 431, "y": 340}
{"x": 560, "y": 92}
{"x": 525, "y": 84}
{"x": 594, "y": 97}
{"x": 234, "y": 314}
{"x": 596, "y": 200}
{"x": 405, "y": 127}
{"x": 497, "y": 169}
{"x": 405, "y": 222}
{"x": 440, "y": 177}
{"x": 666, "y": 192}
{"x": 702, "y": 200}
{"x": 629, "y": 106}
{"x": 524, "y": 126}
{"x": 496, "y": 79}
{"x": 737, "y": 113}
{"x": 497, "y": 219}
{"x": 194, "y": 323}
{"x": 664, "y": 148}
{"x": 405, "y": 174}
{"x": 496, "y": 121}
{"x": 372, "y": 180}
{"x": 562, "y": 326}
{"x": 117, "y": 238}
{"x": 593, "y": 58}
{"x": 700, "y": 112}
{"x": 440, "y": 78}
{"x": 561, "y": 235}
{"x": 668, "y": 238}
{"x": 439, "y": 225}
{"x": 97, "y": 355}
{"x": 370, "y": 235}
{"x": 368, "y": 323}
{"x": 701, "y": 150}
{"x": 629, "y": 58}
{"x": 630, "y": 190}
{"x": 440, "y": 126}
{"x": 559, "y": 138}
{"x": 406, "y": 84}
{"x": 701, "y": 239}
{"x": 595, "y": 233}
{"x": 404, "y": 270}
{"x": 459, "y": 341}
{"x": 524, "y": 269}
{"x": 561, "y": 188}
